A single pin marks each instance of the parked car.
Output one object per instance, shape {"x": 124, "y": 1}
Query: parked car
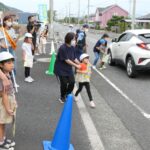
{"x": 92, "y": 26}
{"x": 131, "y": 49}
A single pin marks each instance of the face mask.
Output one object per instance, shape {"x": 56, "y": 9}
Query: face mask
{"x": 9, "y": 24}
{"x": 73, "y": 43}
{"x": 15, "y": 23}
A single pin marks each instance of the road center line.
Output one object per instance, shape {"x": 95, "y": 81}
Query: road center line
{"x": 94, "y": 138}
{"x": 146, "y": 115}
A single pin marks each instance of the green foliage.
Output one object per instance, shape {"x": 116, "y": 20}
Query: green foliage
{"x": 3, "y": 7}
{"x": 117, "y": 24}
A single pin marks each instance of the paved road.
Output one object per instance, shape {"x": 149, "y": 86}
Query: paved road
{"x": 119, "y": 123}
{"x": 128, "y": 98}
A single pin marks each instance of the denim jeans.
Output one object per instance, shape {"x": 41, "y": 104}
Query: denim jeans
{"x": 97, "y": 56}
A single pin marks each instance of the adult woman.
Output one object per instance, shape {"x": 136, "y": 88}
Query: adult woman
{"x": 65, "y": 60}
{"x": 97, "y": 48}
{"x": 8, "y": 33}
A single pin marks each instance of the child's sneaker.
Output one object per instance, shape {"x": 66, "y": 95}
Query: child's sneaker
{"x": 31, "y": 78}
{"x": 104, "y": 67}
{"x": 76, "y": 98}
{"x": 62, "y": 100}
{"x": 10, "y": 142}
{"x": 94, "y": 67}
{"x": 28, "y": 79}
{"x": 6, "y": 146}
{"x": 92, "y": 104}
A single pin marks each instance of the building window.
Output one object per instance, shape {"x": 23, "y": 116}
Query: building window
{"x": 115, "y": 14}
{"x": 100, "y": 14}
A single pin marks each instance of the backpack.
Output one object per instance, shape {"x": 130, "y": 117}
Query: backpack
{"x": 81, "y": 39}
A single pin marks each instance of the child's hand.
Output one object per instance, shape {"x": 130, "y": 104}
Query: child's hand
{"x": 10, "y": 112}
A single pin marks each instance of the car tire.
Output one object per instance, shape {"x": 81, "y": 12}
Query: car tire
{"x": 130, "y": 68}
{"x": 110, "y": 60}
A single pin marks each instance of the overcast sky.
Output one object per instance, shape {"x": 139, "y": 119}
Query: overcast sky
{"x": 62, "y": 6}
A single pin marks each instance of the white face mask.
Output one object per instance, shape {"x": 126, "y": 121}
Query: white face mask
{"x": 73, "y": 43}
{"x": 15, "y": 23}
{"x": 9, "y": 24}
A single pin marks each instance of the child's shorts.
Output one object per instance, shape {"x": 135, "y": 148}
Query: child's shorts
{"x": 5, "y": 118}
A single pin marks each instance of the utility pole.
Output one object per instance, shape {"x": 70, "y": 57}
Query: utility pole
{"x": 78, "y": 12}
{"x": 133, "y": 14}
{"x": 88, "y": 11}
{"x": 51, "y": 18}
{"x": 69, "y": 11}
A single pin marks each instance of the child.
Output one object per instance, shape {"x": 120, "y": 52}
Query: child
{"x": 43, "y": 39}
{"x": 98, "y": 48}
{"x": 83, "y": 77}
{"x": 28, "y": 57}
{"x": 8, "y": 103}
{"x": 103, "y": 55}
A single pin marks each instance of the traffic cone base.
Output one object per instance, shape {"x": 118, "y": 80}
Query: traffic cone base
{"x": 48, "y": 72}
{"x": 61, "y": 139}
{"x": 47, "y": 146}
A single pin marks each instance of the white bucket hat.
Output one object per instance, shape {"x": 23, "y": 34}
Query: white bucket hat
{"x": 83, "y": 56}
{"x": 29, "y": 35}
{"x": 5, "y": 56}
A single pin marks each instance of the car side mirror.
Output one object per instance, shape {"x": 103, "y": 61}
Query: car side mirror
{"x": 115, "y": 40}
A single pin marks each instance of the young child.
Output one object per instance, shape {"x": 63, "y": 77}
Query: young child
{"x": 103, "y": 55}
{"x": 43, "y": 40}
{"x": 8, "y": 104}
{"x": 83, "y": 77}
{"x": 28, "y": 57}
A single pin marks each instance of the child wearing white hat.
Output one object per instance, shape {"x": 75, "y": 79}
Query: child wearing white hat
{"x": 27, "y": 57}
{"x": 83, "y": 77}
{"x": 8, "y": 104}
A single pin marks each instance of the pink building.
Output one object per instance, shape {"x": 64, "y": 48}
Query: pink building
{"x": 103, "y": 15}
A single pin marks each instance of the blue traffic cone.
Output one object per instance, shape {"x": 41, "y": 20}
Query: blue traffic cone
{"x": 61, "y": 139}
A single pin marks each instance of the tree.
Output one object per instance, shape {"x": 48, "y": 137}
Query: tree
{"x": 116, "y": 21}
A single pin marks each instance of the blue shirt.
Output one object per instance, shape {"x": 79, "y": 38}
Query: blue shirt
{"x": 99, "y": 42}
{"x": 64, "y": 53}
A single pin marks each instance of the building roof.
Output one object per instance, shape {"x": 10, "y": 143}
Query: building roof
{"x": 145, "y": 17}
{"x": 103, "y": 9}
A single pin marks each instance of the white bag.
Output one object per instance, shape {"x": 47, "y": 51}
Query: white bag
{"x": 105, "y": 58}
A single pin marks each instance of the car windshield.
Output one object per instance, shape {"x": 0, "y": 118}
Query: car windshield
{"x": 145, "y": 37}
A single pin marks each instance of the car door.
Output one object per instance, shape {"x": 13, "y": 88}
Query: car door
{"x": 123, "y": 46}
{"x": 117, "y": 45}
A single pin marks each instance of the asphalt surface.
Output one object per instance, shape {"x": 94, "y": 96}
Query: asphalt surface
{"x": 120, "y": 125}
{"x": 135, "y": 89}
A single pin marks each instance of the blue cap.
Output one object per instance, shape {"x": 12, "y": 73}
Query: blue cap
{"x": 102, "y": 41}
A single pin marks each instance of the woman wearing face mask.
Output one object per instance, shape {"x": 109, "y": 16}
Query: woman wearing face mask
{"x": 65, "y": 61}
{"x": 9, "y": 38}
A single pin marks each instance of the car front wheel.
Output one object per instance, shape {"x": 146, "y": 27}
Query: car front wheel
{"x": 130, "y": 68}
{"x": 110, "y": 60}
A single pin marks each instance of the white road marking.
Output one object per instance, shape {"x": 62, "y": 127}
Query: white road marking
{"x": 94, "y": 138}
{"x": 146, "y": 115}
